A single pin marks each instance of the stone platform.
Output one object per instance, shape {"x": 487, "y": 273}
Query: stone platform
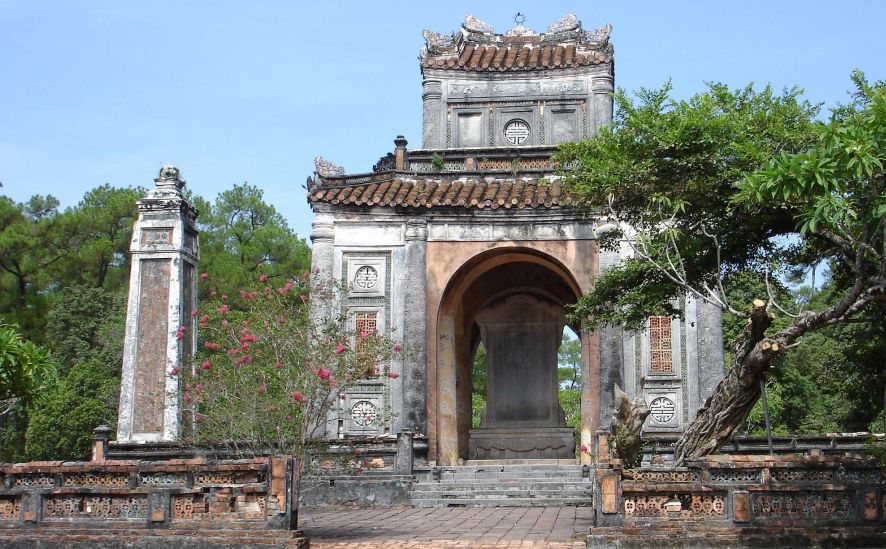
{"x": 522, "y": 443}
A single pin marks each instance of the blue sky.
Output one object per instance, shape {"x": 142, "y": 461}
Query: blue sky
{"x": 106, "y": 92}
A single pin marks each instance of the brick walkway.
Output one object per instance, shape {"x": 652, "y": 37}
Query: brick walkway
{"x": 410, "y": 527}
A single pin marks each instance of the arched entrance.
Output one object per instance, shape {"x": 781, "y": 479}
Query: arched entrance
{"x": 514, "y": 299}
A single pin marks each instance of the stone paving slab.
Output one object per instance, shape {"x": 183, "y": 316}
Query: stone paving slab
{"x": 410, "y": 527}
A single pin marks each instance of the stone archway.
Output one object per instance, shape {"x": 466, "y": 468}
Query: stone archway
{"x": 487, "y": 294}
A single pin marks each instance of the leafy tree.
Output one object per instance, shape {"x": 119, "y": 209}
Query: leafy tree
{"x": 60, "y": 426}
{"x": 99, "y": 230}
{"x": 240, "y": 234}
{"x": 26, "y": 371}
{"x": 569, "y": 362}
{"x": 673, "y": 177}
{"x": 84, "y": 324}
{"x": 31, "y": 243}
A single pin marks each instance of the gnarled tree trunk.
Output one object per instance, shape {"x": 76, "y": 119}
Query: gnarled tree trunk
{"x": 729, "y": 405}
{"x": 752, "y": 353}
{"x": 627, "y": 421}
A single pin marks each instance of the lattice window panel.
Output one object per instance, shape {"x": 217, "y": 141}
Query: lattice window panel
{"x": 505, "y": 164}
{"x": 366, "y": 321}
{"x": 10, "y": 508}
{"x": 660, "y": 349}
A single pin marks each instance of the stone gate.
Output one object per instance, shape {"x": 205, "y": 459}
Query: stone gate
{"x": 474, "y": 238}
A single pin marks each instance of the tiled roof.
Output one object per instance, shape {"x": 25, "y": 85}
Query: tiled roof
{"x": 461, "y": 192}
{"x": 516, "y": 57}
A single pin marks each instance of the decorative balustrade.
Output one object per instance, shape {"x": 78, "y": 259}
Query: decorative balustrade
{"x": 800, "y": 490}
{"x": 177, "y": 492}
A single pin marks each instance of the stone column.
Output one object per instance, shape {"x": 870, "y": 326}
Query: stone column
{"x": 711, "y": 361}
{"x": 160, "y": 329}
{"x": 322, "y": 237}
{"x": 603, "y": 86}
{"x": 415, "y": 328}
{"x": 322, "y": 269}
{"x": 432, "y": 116}
{"x": 404, "y": 460}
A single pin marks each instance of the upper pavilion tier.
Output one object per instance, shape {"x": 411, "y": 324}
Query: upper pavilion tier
{"x": 476, "y": 47}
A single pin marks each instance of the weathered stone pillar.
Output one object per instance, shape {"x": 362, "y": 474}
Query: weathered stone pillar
{"x": 160, "y": 328}
{"x": 415, "y": 328}
{"x": 603, "y": 86}
{"x": 322, "y": 270}
{"x": 405, "y": 458}
{"x": 711, "y": 360}
{"x": 432, "y": 127}
{"x": 322, "y": 237}
{"x": 100, "y": 437}
{"x": 400, "y": 153}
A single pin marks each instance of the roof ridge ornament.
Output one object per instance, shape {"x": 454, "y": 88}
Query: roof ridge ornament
{"x": 520, "y": 30}
{"x": 599, "y": 37}
{"x": 169, "y": 176}
{"x": 569, "y": 23}
{"x": 435, "y": 40}
{"x": 325, "y": 168}
{"x": 472, "y": 24}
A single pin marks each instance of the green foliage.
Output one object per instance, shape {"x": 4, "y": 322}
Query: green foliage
{"x": 85, "y": 326}
{"x": 836, "y": 185}
{"x": 478, "y": 407}
{"x": 26, "y": 370}
{"x": 478, "y": 372}
{"x": 569, "y": 362}
{"x": 31, "y": 242}
{"x": 676, "y": 162}
{"x": 61, "y": 425}
{"x": 43, "y": 250}
{"x": 98, "y": 232}
{"x": 437, "y": 162}
{"x": 86, "y": 323}
{"x": 240, "y": 234}
{"x": 833, "y": 382}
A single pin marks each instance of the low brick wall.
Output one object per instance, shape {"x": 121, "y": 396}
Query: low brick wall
{"x": 175, "y": 493}
{"x": 721, "y": 496}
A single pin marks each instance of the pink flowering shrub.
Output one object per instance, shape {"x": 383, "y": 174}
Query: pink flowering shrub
{"x": 268, "y": 372}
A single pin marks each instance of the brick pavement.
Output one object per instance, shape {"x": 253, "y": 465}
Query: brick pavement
{"x": 410, "y": 527}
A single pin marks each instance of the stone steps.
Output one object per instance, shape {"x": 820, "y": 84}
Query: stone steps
{"x": 505, "y": 485}
{"x": 510, "y": 502}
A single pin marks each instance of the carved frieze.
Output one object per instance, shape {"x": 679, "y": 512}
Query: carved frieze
{"x": 824, "y": 505}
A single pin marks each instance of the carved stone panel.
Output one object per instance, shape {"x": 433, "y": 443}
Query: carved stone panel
{"x": 151, "y": 355}
{"x": 363, "y": 413}
{"x": 366, "y": 276}
{"x": 156, "y": 236}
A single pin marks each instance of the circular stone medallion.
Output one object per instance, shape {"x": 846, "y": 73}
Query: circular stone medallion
{"x": 517, "y": 131}
{"x": 662, "y": 409}
{"x": 364, "y": 413}
{"x": 366, "y": 277}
